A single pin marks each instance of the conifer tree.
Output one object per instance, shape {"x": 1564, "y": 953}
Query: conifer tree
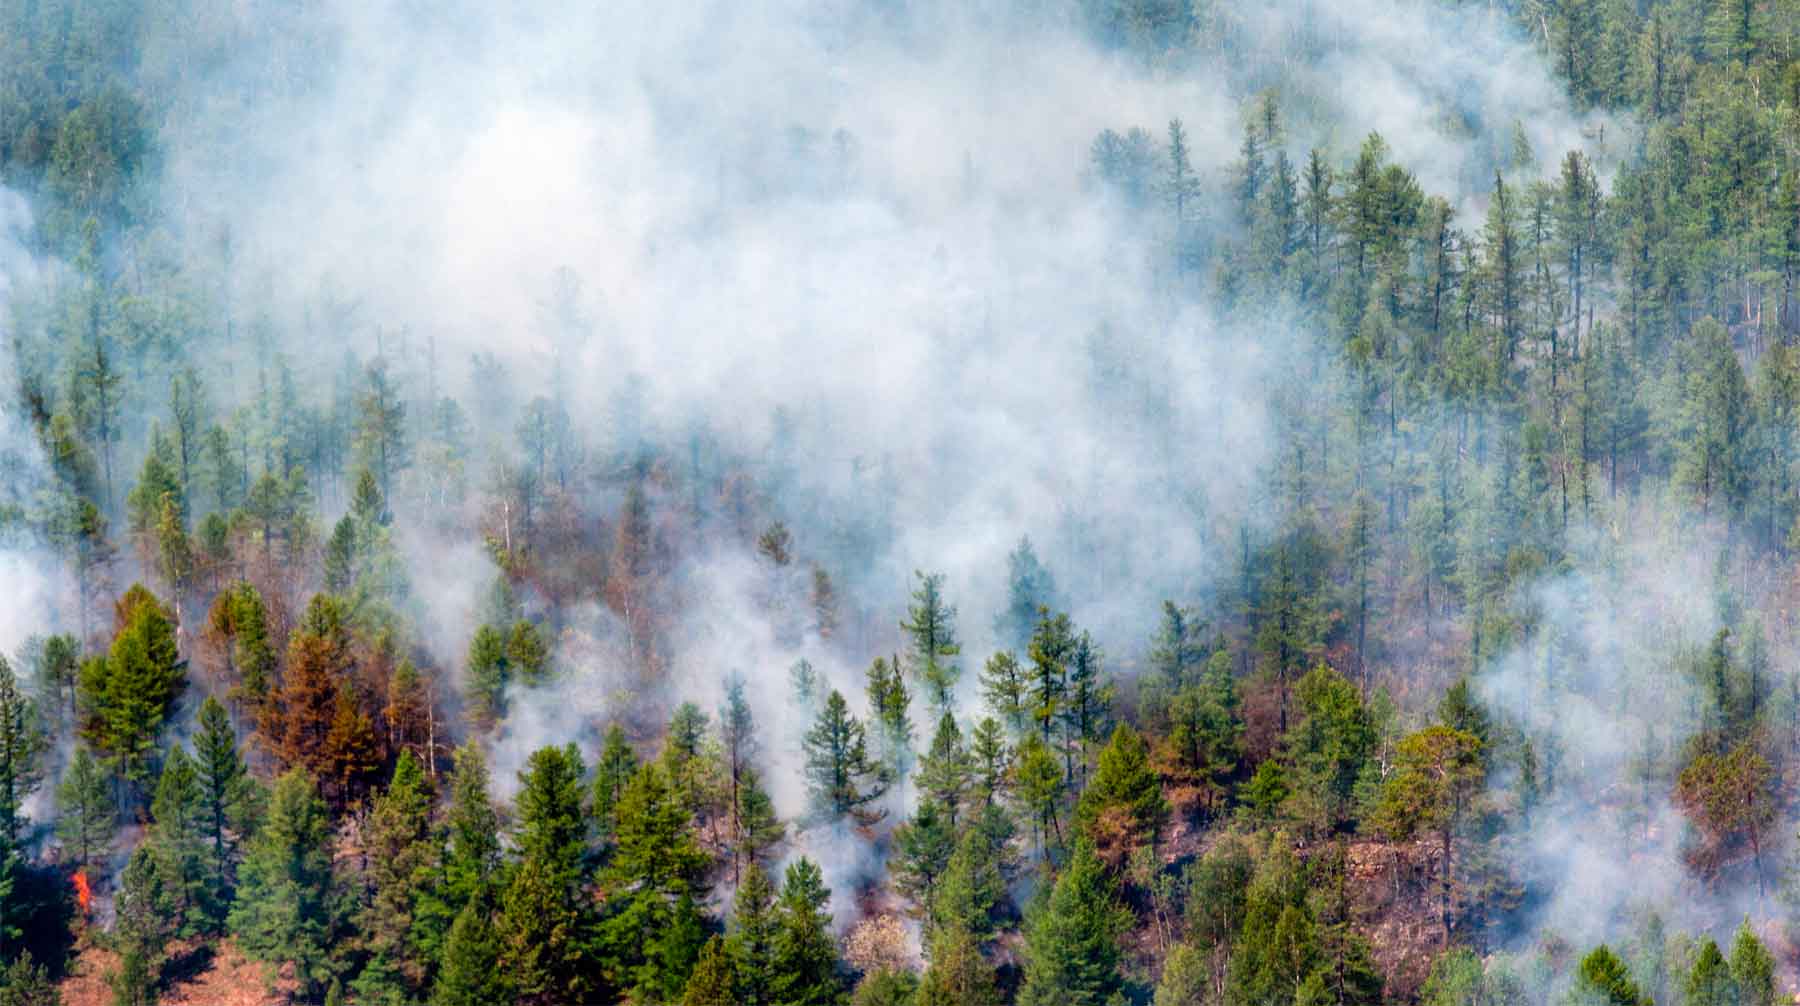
{"x": 352, "y": 751}
{"x": 1052, "y": 645}
{"x": 959, "y": 975}
{"x": 227, "y": 798}
{"x": 1087, "y": 708}
{"x": 527, "y": 655}
{"x": 685, "y": 759}
{"x": 1029, "y": 589}
{"x": 472, "y": 848}
{"x": 142, "y": 931}
{"x": 298, "y": 719}
{"x": 178, "y": 846}
{"x": 944, "y": 771}
{"x": 487, "y": 675}
{"x": 930, "y": 626}
{"x": 841, "y": 777}
{"x": 618, "y": 764}
{"x": 409, "y": 716}
{"x": 86, "y": 812}
{"x": 1437, "y": 774}
{"x": 1177, "y": 650}
{"x": 24, "y": 982}
{"x": 545, "y": 918}
{"x": 713, "y": 982}
{"x": 656, "y": 868}
{"x": 889, "y": 703}
{"x": 403, "y": 858}
{"x": 239, "y": 619}
{"x": 128, "y": 693}
{"x": 22, "y": 745}
{"x": 737, "y": 734}
{"x": 1752, "y": 969}
{"x": 1071, "y": 939}
{"x": 803, "y": 957}
{"x": 340, "y": 556}
{"x": 973, "y": 890}
{"x": 1038, "y": 783}
{"x": 1125, "y": 791}
{"x": 761, "y": 829}
{"x": 1603, "y": 980}
{"x": 824, "y": 604}
{"x": 289, "y": 906}
{"x": 989, "y": 761}
{"x": 1003, "y": 687}
{"x": 922, "y": 848}
{"x": 751, "y": 940}
{"x": 469, "y": 973}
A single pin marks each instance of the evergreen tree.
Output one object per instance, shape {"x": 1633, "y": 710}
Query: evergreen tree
{"x": 1328, "y": 748}
{"x": 24, "y": 982}
{"x": 403, "y": 858}
{"x": 1071, "y": 939}
{"x": 1029, "y": 589}
{"x": 922, "y": 848}
{"x": 86, "y": 812}
{"x": 1003, "y": 686}
{"x": 1087, "y": 708}
{"x": 930, "y": 626}
{"x": 761, "y": 829}
{"x": 545, "y": 917}
{"x": 472, "y": 848}
{"x": 803, "y": 957}
{"x": 469, "y": 973}
{"x": 1052, "y": 646}
{"x": 683, "y": 758}
{"x": 488, "y": 669}
{"x": 713, "y": 982}
{"x": 178, "y": 847}
{"x": 1038, "y": 784}
{"x": 657, "y": 868}
{"x": 1752, "y": 969}
{"x": 752, "y": 937}
{"x": 959, "y": 975}
{"x": 1125, "y": 794}
{"x": 1603, "y": 980}
{"x": 227, "y": 797}
{"x": 127, "y": 694}
{"x": 289, "y": 906}
{"x": 1177, "y": 650}
{"x": 1438, "y": 773}
{"x": 142, "y": 931}
{"x": 618, "y": 763}
{"x": 22, "y": 745}
{"x": 527, "y": 655}
{"x": 972, "y": 894}
{"x": 944, "y": 772}
{"x": 989, "y": 761}
{"x": 888, "y": 704}
{"x": 841, "y": 778}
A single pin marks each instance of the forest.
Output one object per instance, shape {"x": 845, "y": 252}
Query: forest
{"x": 900, "y": 503}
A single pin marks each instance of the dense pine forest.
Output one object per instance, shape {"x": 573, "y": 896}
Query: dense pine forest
{"x": 900, "y": 503}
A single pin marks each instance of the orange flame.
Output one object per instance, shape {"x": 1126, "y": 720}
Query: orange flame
{"x": 84, "y": 895}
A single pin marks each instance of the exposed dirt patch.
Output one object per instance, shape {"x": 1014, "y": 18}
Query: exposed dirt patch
{"x": 199, "y": 975}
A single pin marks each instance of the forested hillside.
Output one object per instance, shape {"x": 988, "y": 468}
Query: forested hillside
{"x": 900, "y": 503}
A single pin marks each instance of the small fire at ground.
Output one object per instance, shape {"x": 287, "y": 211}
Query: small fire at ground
{"x": 84, "y": 894}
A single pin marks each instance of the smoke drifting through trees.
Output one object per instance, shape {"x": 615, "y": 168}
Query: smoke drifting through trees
{"x": 653, "y": 348}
